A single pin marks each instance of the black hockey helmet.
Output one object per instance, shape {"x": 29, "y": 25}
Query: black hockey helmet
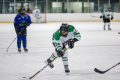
{"x": 21, "y": 8}
{"x": 109, "y": 8}
{"x": 64, "y": 28}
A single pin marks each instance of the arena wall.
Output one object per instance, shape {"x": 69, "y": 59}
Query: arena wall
{"x": 64, "y": 17}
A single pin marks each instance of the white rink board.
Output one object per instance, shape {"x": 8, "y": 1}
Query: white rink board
{"x": 61, "y": 17}
{"x": 97, "y": 49}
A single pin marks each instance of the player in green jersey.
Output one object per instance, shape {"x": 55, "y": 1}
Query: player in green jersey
{"x": 65, "y": 35}
{"x": 106, "y": 18}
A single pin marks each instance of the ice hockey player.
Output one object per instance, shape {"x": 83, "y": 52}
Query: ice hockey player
{"x": 36, "y": 14}
{"x": 118, "y": 32}
{"x": 65, "y": 35}
{"x": 21, "y": 21}
{"x": 106, "y": 18}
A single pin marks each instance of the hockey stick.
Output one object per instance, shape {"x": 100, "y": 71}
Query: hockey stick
{"x": 38, "y": 17}
{"x": 14, "y": 40}
{"x": 44, "y": 67}
{"x": 102, "y": 72}
{"x": 95, "y": 16}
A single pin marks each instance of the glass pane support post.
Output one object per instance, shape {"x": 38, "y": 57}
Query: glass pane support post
{"x": 98, "y": 5}
{"x": 67, "y": 6}
{"x": 88, "y": 6}
{"x": 25, "y": 5}
{"x": 119, "y": 5}
{"x": 35, "y": 2}
{"x": 46, "y": 6}
{"x": 78, "y": 5}
{"x": 14, "y": 5}
{"x": 109, "y": 2}
{"x": 3, "y": 6}
{"x": 57, "y": 6}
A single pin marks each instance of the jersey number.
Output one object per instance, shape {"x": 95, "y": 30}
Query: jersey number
{"x": 56, "y": 44}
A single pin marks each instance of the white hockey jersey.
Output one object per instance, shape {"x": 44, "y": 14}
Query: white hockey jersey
{"x": 59, "y": 40}
{"x": 107, "y": 14}
{"x": 36, "y": 12}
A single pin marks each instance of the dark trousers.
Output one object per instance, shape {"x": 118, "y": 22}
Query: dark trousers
{"x": 21, "y": 37}
{"x": 106, "y": 20}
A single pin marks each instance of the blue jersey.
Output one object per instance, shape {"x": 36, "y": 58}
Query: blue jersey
{"x": 19, "y": 21}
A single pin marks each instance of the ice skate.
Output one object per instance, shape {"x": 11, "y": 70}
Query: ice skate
{"x": 19, "y": 50}
{"x": 26, "y": 50}
{"x": 66, "y": 69}
{"x": 109, "y": 29}
{"x": 48, "y": 61}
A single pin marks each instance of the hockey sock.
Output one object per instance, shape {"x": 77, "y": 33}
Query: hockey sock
{"x": 52, "y": 57}
{"x": 65, "y": 60}
{"x": 104, "y": 24}
{"x": 24, "y": 41}
{"x": 108, "y": 25}
{"x": 19, "y": 38}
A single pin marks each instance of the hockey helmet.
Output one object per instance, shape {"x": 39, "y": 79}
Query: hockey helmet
{"x": 64, "y": 28}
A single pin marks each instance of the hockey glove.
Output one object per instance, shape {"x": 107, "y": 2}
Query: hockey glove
{"x": 17, "y": 31}
{"x": 25, "y": 25}
{"x": 101, "y": 17}
{"x": 60, "y": 53}
{"x": 71, "y": 43}
{"x": 111, "y": 18}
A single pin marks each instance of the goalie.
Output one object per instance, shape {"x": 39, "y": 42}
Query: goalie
{"x": 66, "y": 35}
{"x": 36, "y": 14}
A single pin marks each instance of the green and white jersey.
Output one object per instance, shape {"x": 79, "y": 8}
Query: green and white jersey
{"x": 107, "y": 14}
{"x": 59, "y": 40}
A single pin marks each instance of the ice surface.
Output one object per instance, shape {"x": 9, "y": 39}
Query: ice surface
{"x": 97, "y": 49}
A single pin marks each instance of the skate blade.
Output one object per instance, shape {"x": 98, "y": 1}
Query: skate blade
{"x": 24, "y": 78}
{"x": 67, "y": 73}
{"x": 19, "y": 51}
{"x": 26, "y": 51}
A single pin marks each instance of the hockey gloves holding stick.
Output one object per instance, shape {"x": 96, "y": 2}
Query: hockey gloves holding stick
{"x": 60, "y": 53}
{"x": 25, "y": 25}
{"x": 70, "y": 45}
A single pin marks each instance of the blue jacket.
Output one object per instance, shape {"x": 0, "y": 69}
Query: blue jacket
{"x": 19, "y": 21}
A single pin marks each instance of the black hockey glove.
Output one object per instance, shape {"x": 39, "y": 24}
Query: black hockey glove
{"x": 111, "y": 18}
{"x": 71, "y": 42}
{"x": 101, "y": 17}
{"x": 60, "y": 53}
{"x": 18, "y": 31}
{"x": 25, "y": 25}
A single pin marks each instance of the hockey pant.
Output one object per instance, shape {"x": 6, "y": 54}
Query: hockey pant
{"x": 106, "y": 21}
{"x": 36, "y": 20}
{"x": 21, "y": 37}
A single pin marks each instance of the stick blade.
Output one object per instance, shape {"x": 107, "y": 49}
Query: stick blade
{"x": 24, "y": 78}
{"x": 98, "y": 71}
{"x": 6, "y": 50}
